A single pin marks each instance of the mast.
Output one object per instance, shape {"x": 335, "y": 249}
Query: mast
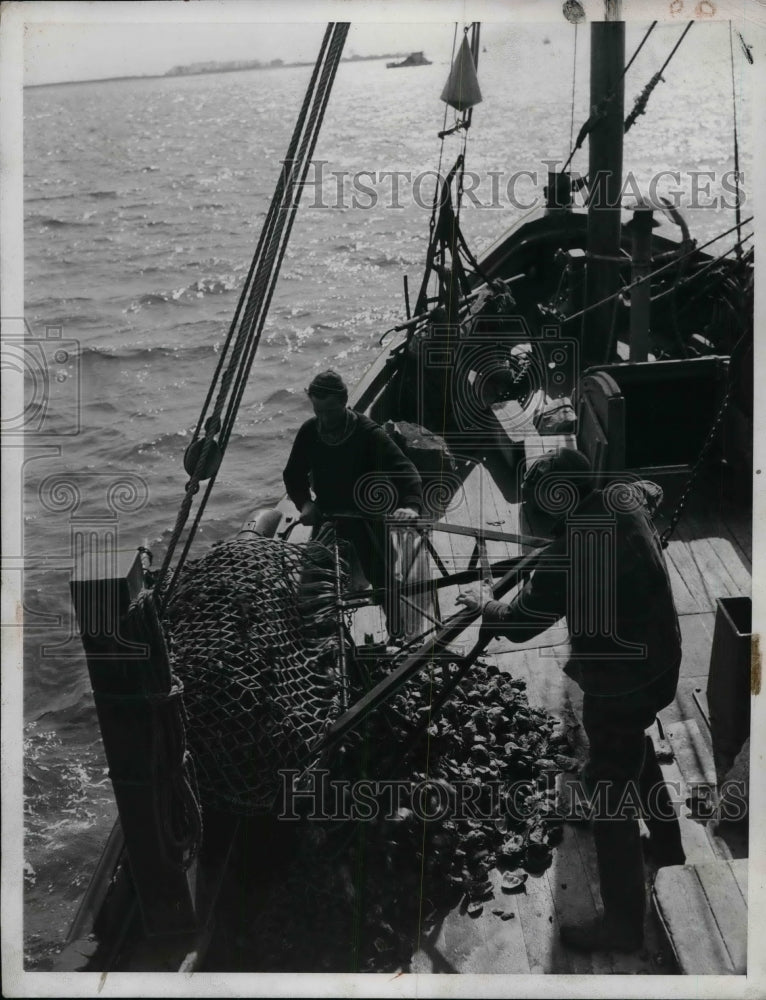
{"x": 607, "y": 92}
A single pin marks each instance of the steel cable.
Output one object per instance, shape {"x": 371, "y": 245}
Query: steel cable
{"x": 256, "y": 293}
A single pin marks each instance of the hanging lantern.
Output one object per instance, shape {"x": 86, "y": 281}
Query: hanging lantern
{"x": 461, "y": 91}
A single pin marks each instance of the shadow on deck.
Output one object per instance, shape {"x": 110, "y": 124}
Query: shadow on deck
{"x": 708, "y": 558}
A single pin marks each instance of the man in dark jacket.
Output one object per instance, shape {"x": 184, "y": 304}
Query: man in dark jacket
{"x": 605, "y": 572}
{"x": 351, "y": 464}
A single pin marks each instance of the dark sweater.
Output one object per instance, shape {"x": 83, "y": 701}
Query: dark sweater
{"x": 606, "y": 572}
{"x": 348, "y": 476}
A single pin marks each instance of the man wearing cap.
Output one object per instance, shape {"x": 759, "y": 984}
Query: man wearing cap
{"x": 345, "y": 457}
{"x": 604, "y": 570}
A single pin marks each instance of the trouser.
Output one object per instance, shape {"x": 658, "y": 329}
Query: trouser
{"x": 374, "y": 549}
{"x": 624, "y": 779}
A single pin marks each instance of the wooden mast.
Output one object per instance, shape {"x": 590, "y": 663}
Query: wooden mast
{"x": 607, "y": 92}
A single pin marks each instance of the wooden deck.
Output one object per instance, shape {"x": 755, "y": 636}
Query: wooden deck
{"x": 703, "y": 910}
{"x": 708, "y": 558}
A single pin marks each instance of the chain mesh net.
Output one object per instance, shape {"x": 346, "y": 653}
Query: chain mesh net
{"x": 254, "y": 638}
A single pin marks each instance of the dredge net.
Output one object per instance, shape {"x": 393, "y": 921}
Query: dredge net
{"x": 253, "y": 635}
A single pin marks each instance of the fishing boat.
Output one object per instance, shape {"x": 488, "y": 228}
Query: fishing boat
{"x": 413, "y": 59}
{"x": 604, "y": 327}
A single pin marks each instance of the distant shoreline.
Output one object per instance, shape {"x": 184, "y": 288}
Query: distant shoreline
{"x": 182, "y": 72}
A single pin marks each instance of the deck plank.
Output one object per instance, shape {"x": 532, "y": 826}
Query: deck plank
{"x": 504, "y": 946}
{"x": 739, "y": 871}
{"x": 705, "y": 563}
{"x": 684, "y": 705}
{"x": 696, "y": 843}
{"x": 685, "y": 601}
{"x": 717, "y": 577}
{"x": 630, "y": 963}
{"x": 728, "y": 523}
{"x": 691, "y": 752}
{"x": 729, "y": 909}
{"x": 696, "y": 643}
{"x": 498, "y": 513}
{"x": 734, "y": 562}
{"x": 540, "y": 925}
{"x": 739, "y": 529}
{"x": 702, "y": 567}
{"x": 678, "y": 553}
{"x": 582, "y": 840}
{"x": 481, "y": 944}
{"x": 574, "y": 900}
{"x": 690, "y": 923}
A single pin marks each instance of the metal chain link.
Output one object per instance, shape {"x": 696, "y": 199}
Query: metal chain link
{"x": 707, "y": 445}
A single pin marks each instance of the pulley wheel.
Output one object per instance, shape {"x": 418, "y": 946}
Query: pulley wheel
{"x": 212, "y": 459}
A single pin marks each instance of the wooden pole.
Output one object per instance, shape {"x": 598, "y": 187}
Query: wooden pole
{"x": 607, "y": 60}
{"x": 131, "y": 682}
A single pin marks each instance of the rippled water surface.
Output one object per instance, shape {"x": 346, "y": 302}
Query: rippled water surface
{"x": 143, "y": 203}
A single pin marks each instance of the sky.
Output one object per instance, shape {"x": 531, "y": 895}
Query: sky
{"x": 94, "y": 40}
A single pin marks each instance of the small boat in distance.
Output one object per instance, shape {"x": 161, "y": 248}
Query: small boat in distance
{"x": 414, "y": 59}
{"x": 479, "y": 383}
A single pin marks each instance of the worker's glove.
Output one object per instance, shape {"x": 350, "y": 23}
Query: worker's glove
{"x": 475, "y": 598}
{"x": 405, "y": 514}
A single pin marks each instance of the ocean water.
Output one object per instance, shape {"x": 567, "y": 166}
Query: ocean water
{"x": 143, "y": 204}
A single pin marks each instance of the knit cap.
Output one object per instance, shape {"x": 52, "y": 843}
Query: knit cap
{"x": 327, "y": 383}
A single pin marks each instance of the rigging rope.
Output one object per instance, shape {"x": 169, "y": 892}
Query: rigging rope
{"x": 265, "y": 280}
{"x": 437, "y": 188}
{"x": 660, "y": 270}
{"x": 266, "y": 229}
{"x": 643, "y": 98}
{"x": 475, "y": 30}
{"x": 442, "y": 136}
{"x": 696, "y": 275}
{"x": 437, "y": 242}
{"x": 574, "y": 81}
{"x": 257, "y": 293}
{"x": 737, "y": 208}
{"x": 598, "y": 113}
{"x": 467, "y": 118}
{"x": 277, "y": 252}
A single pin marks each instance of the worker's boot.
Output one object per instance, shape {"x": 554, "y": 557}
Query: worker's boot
{"x": 665, "y": 845}
{"x": 621, "y": 876}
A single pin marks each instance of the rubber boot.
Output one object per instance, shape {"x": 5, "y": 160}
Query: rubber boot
{"x": 665, "y": 833}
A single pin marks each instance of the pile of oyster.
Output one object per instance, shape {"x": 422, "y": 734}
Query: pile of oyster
{"x": 459, "y": 793}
